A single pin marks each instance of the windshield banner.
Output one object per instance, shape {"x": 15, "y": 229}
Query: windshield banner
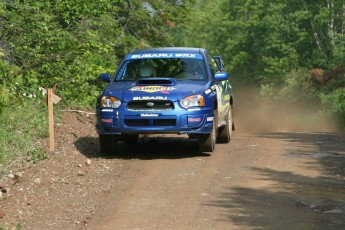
{"x": 164, "y": 55}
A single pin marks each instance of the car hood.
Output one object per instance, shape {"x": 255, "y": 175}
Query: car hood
{"x": 155, "y": 89}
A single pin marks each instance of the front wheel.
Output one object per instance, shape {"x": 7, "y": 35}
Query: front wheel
{"x": 107, "y": 143}
{"x": 225, "y": 132}
{"x": 207, "y": 142}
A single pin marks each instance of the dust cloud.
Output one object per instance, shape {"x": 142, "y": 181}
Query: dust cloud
{"x": 255, "y": 114}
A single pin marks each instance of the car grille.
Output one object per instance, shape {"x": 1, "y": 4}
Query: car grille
{"x": 136, "y": 122}
{"x": 150, "y": 122}
{"x": 147, "y": 105}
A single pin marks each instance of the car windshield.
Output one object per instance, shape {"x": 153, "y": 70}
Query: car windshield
{"x": 178, "y": 68}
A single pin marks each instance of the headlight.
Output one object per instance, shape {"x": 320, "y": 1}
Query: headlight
{"x": 191, "y": 101}
{"x": 110, "y": 102}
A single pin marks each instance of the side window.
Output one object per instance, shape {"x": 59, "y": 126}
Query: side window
{"x": 212, "y": 64}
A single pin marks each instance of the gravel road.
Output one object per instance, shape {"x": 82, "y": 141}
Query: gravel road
{"x": 266, "y": 178}
{"x": 259, "y": 181}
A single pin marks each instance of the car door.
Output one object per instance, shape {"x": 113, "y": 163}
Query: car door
{"x": 222, "y": 88}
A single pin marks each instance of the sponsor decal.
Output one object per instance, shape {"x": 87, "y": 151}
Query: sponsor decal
{"x": 226, "y": 97}
{"x": 153, "y": 89}
{"x": 107, "y": 110}
{"x": 209, "y": 119}
{"x": 190, "y": 119}
{"x": 165, "y": 55}
{"x": 196, "y": 109}
{"x": 150, "y": 98}
{"x": 149, "y": 115}
{"x": 207, "y": 91}
{"x": 107, "y": 120}
{"x": 186, "y": 55}
{"x": 219, "y": 94}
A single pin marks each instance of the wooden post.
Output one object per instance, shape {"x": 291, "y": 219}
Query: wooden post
{"x": 51, "y": 120}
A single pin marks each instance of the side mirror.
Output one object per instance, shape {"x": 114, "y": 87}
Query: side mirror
{"x": 105, "y": 77}
{"x": 221, "y": 76}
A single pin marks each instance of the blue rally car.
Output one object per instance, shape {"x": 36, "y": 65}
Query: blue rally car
{"x": 169, "y": 91}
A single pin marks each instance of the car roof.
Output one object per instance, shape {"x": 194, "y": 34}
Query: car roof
{"x": 169, "y": 49}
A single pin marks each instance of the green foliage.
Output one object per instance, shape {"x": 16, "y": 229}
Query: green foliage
{"x": 274, "y": 44}
{"x": 68, "y": 43}
{"x": 17, "y": 227}
{"x": 5, "y": 94}
{"x": 26, "y": 122}
{"x": 71, "y": 43}
{"x": 36, "y": 154}
{"x": 332, "y": 90}
{"x": 295, "y": 87}
{"x": 339, "y": 51}
{"x": 149, "y": 23}
{"x": 275, "y": 36}
{"x": 336, "y": 99}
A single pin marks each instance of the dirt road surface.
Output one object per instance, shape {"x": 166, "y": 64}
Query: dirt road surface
{"x": 280, "y": 177}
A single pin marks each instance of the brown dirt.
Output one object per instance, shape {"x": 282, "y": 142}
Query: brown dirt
{"x": 275, "y": 174}
{"x": 61, "y": 199}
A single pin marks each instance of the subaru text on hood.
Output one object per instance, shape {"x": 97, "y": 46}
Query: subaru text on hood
{"x": 166, "y": 90}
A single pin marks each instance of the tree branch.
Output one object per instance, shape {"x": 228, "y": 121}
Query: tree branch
{"x": 77, "y": 111}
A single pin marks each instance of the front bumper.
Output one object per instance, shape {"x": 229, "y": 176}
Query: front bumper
{"x": 192, "y": 121}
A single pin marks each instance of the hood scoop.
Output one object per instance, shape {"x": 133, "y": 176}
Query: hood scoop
{"x": 156, "y": 81}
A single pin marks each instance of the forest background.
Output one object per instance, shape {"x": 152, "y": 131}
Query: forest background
{"x": 285, "y": 51}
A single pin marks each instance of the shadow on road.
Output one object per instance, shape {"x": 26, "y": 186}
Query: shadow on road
{"x": 293, "y": 201}
{"x": 331, "y": 150}
{"x": 147, "y": 148}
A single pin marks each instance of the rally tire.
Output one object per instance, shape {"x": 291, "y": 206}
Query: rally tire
{"x": 107, "y": 144}
{"x": 207, "y": 142}
{"x": 225, "y": 132}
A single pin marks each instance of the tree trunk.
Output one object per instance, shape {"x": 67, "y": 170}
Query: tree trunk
{"x": 331, "y": 32}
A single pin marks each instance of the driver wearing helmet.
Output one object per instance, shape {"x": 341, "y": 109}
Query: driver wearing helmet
{"x": 193, "y": 67}
{"x": 147, "y": 71}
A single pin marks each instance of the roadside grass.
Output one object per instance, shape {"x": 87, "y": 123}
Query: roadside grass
{"x": 21, "y": 128}
{"x": 17, "y": 227}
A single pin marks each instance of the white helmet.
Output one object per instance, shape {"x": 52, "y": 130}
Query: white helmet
{"x": 146, "y": 70}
